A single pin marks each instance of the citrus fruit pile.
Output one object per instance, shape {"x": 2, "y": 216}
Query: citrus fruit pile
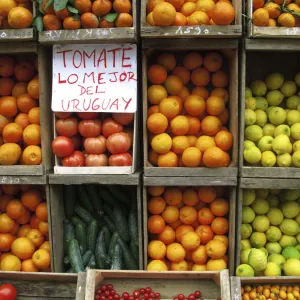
{"x": 84, "y": 14}
{"x": 272, "y": 122}
{"x": 93, "y": 139}
{"x": 24, "y": 239}
{"x": 187, "y": 114}
{"x": 277, "y": 13}
{"x": 187, "y": 228}
{"x": 270, "y": 233}
{"x": 189, "y": 12}
{"x": 16, "y": 14}
{"x": 20, "y": 133}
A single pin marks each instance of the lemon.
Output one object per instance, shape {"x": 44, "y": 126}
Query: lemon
{"x": 246, "y": 231}
{"x": 250, "y": 103}
{"x": 258, "y": 239}
{"x": 248, "y": 196}
{"x": 274, "y": 97}
{"x": 287, "y": 240}
{"x": 282, "y": 129}
{"x": 244, "y": 256}
{"x": 281, "y": 144}
{"x": 273, "y": 247}
{"x": 257, "y": 260}
{"x": 296, "y": 146}
{"x": 292, "y": 267}
{"x": 244, "y": 270}
{"x": 296, "y": 158}
{"x": 260, "y": 206}
{"x": 295, "y": 131}
{"x": 289, "y": 88}
{"x": 277, "y": 259}
{"x": 252, "y": 155}
{"x": 250, "y": 117}
{"x": 292, "y": 102}
{"x": 261, "y": 118}
{"x": 268, "y": 159}
{"x": 292, "y": 117}
{"x": 248, "y": 215}
{"x": 290, "y": 252}
{"x": 272, "y": 269}
{"x": 289, "y": 227}
{"x": 269, "y": 129}
{"x": 245, "y": 244}
{"x": 248, "y": 92}
{"x": 290, "y": 209}
{"x": 277, "y": 115}
{"x": 265, "y": 143}
{"x": 261, "y": 103}
{"x": 289, "y": 195}
{"x": 258, "y": 87}
{"x": 274, "y": 81}
{"x": 261, "y": 223}
{"x": 273, "y": 234}
{"x": 248, "y": 144}
{"x": 284, "y": 160}
{"x": 262, "y": 193}
{"x": 253, "y": 133}
{"x": 275, "y": 216}
{"x": 273, "y": 200}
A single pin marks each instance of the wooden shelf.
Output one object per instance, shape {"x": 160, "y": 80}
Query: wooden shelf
{"x": 269, "y": 183}
{"x": 17, "y": 35}
{"x": 272, "y": 44}
{"x": 20, "y": 179}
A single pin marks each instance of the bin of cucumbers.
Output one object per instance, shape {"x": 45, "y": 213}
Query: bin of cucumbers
{"x": 100, "y": 228}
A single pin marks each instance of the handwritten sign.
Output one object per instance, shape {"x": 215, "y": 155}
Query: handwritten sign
{"x": 89, "y": 78}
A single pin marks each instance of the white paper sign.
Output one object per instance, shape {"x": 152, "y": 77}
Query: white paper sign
{"x": 90, "y": 78}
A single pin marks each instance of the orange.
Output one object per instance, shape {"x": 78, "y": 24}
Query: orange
{"x": 124, "y": 20}
{"x": 157, "y": 265}
{"x": 6, "y": 239}
{"x": 167, "y": 60}
{"x": 191, "y": 157}
{"x": 205, "y": 216}
{"x": 10, "y": 154}
{"x": 149, "y": 19}
{"x": 156, "y": 74}
{"x": 156, "y": 205}
{"x": 28, "y": 266}
{"x": 32, "y": 134}
{"x": 6, "y": 6}
{"x": 173, "y": 85}
{"x": 89, "y": 20}
{"x": 32, "y": 155}
{"x": 157, "y": 123}
{"x": 190, "y": 197}
{"x": 219, "y": 79}
{"x": 22, "y": 120}
{"x": 207, "y": 194}
{"x": 199, "y": 255}
{"x": 180, "y": 125}
{"x": 10, "y": 189}
{"x": 183, "y": 73}
{"x": 23, "y": 230}
{"x": 224, "y": 117}
{"x": 188, "y": 215}
{"x": 122, "y": 6}
{"x": 220, "y": 92}
{"x": 36, "y": 237}
{"x": 205, "y": 232}
{"x": 216, "y": 264}
{"x": 190, "y": 240}
{"x": 34, "y": 116}
{"x": 25, "y": 103}
{"x": 219, "y": 207}
{"x": 156, "y": 93}
{"x": 43, "y": 227}
{"x": 12, "y": 133}
{"x": 258, "y": 4}
{"x": 199, "y": 268}
{"x": 169, "y": 107}
{"x": 220, "y": 225}
{"x": 152, "y": 110}
{"x": 46, "y": 246}
{"x": 8, "y": 106}
{"x": 215, "y": 249}
{"x": 192, "y": 60}
{"x": 205, "y": 6}
{"x": 210, "y": 125}
{"x": 194, "y": 105}
{"x": 105, "y": 24}
{"x": 260, "y": 17}
{"x": 223, "y": 13}
{"x": 23, "y": 248}
{"x": 15, "y": 209}
{"x": 41, "y": 259}
{"x": 25, "y": 218}
{"x": 83, "y": 6}
{"x": 164, "y": 14}
{"x": 184, "y": 93}
{"x": 24, "y": 71}
{"x": 181, "y": 230}
{"x": 175, "y": 252}
{"x": 161, "y": 143}
{"x": 151, "y": 4}
{"x": 6, "y": 86}
{"x": 20, "y": 18}
{"x": 156, "y": 249}
{"x": 7, "y": 64}
{"x": 167, "y": 236}
{"x": 63, "y": 13}
{"x": 273, "y": 9}
{"x": 200, "y": 91}
{"x": 222, "y": 238}
{"x": 10, "y": 263}
{"x": 156, "y": 190}
{"x": 272, "y": 23}
{"x": 71, "y": 23}
{"x": 216, "y": 158}
{"x": 287, "y": 20}
{"x": 213, "y": 61}
{"x": 192, "y": 140}
{"x": 194, "y": 125}
{"x": 4, "y": 254}
{"x": 167, "y": 160}
{"x": 180, "y": 20}
{"x": 215, "y": 105}
{"x": 156, "y": 224}
{"x": 176, "y": 3}
{"x": 204, "y": 142}
{"x": 14, "y": 229}
{"x": 200, "y": 77}
{"x": 223, "y": 140}
{"x": 188, "y": 8}
{"x": 176, "y": 224}
{"x": 292, "y": 6}
{"x": 170, "y": 214}
{"x": 33, "y": 88}
{"x": 6, "y": 223}
{"x": 173, "y": 195}
{"x": 101, "y": 7}
{"x": 3, "y": 123}
{"x": 198, "y": 18}
{"x": 31, "y": 199}
{"x": 52, "y": 22}
{"x": 179, "y": 266}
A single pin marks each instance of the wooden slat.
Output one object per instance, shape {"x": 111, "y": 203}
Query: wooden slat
{"x": 22, "y": 170}
{"x": 275, "y": 172}
{"x": 271, "y": 44}
{"x": 81, "y": 283}
{"x": 271, "y": 183}
{"x": 23, "y": 179}
{"x": 16, "y": 35}
{"x": 18, "y": 48}
{"x": 238, "y": 220}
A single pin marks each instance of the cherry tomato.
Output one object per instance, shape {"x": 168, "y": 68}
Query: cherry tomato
{"x": 99, "y": 292}
{"x": 89, "y": 128}
{"x": 157, "y": 295}
{"x": 148, "y": 290}
{"x": 102, "y": 297}
{"x": 146, "y": 296}
{"x": 8, "y": 292}
{"x": 113, "y": 292}
{"x": 125, "y": 295}
{"x": 63, "y": 115}
{"x": 180, "y": 297}
{"x": 152, "y": 295}
{"x": 116, "y": 297}
{"x": 142, "y": 291}
{"x": 110, "y": 297}
{"x": 110, "y": 287}
{"x": 75, "y": 160}
{"x": 95, "y": 145}
{"x": 76, "y": 139}
{"x": 175, "y": 298}
{"x": 109, "y": 127}
{"x": 120, "y": 160}
{"x": 197, "y": 294}
{"x": 67, "y": 127}
{"x": 87, "y": 115}
{"x": 123, "y": 118}
{"x": 62, "y": 146}
{"x": 96, "y": 160}
{"x": 191, "y": 297}
{"x": 103, "y": 286}
{"x": 97, "y": 297}
{"x": 107, "y": 293}
{"x": 136, "y": 293}
{"x": 131, "y": 298}
{"x": 118, "y": 143}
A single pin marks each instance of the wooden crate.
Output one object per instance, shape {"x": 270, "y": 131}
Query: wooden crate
{"x": 93, "y": 36}
{"x": 57, "y": 215}
{"x": 211, "y": 284}
{"x": 231, "y": 52}
{"x": 203, "y": 31}
{"x": 270, "y": 62}
{"x": 231, "y": 232}
{"x": 44, "y": 79}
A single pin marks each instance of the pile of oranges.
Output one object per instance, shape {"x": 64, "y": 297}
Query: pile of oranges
{"x": 88, "y": 14}
{"x": 187, "y": 228}
{"x": 20, "y": 133}
{"x": 24, "y": 239}
{"x": 276, "y": 13}
{"x": 187, "y": 114}
{"x": 189, "y": 12}
{"x": 16, "y": 14}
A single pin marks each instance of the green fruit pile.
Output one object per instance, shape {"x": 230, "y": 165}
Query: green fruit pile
{"x": 270, "y": 233}
{"x": 272, "y": 122}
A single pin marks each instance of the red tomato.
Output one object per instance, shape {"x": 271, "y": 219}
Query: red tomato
{"x": 129, "y": 131}
{"x": 75, "y": 160}
{"x": 124, "y": 159}
{"x": 87, "y": 115}
{"x": 96, "y": 160}
{"x": 109, "y": 127}
{"x": 89, "y": 128}
{"x": 76, "y": 139}
{"x": 63, "y": 115}
{"x": 8, "y": 292}
{"x": 62, "y": 146}
{"x": 67, "y": 127}
{"x": 118, "y": 143}
{"x": 123, "y": 118}
{"x": 95, "y": 145}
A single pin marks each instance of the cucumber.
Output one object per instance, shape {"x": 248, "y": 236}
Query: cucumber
{"x": 108, "y": 197}
{"x": 112, "y": 244}
{"x": 100, "y": 252}
{"x": 92, "y": 263}
{"x": 95, "y": 199}
{"x": 107, "y": 210}
{"x": 128, "y": 258}
{"x": 75, "y": 220}
{"x": 80, "y": 233}
{"x": 92, "y": 235}
{"x": 122, "y": 222}
{"x": 69, "y": 234}
{"x": 66, "y": 261}
{"x": 69, "y": 196}
{"x": 84, "y": 214}
{"x": 117, "y": 258}
{"x": 118, "y": 193}
{"x": 86, "y": 257}
{"x": 133, "y": 226}
{"x": 107, "y": 236}
{"x": 109, "y": 224}
{"x": 75, "y": 257}
{"x": 84, "y": 199}
{"x": 134, "y": 250}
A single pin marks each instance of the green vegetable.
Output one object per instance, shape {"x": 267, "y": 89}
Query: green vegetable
{"x": 75, "y": 257}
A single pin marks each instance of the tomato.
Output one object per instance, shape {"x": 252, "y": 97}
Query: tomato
{"x": 75, "y": 160}
{"x": 62, "y": 146}
{"x": 87, "y": 115}
{"x": 67, "y": 127}
{"x": 89, "y": 128}
{"x": 123, "y": 118}
{"x": 63, "y": 115}
{"x": 109, "y": 127}
{"x": 96, "y": 160}
{"x": 95, "y": 145}
{"x": 8, "y": 292}
{"x": 76, "y": 139}
{"x": 124, "y": 159}
{"x": 129, "y": 131}
{"x": 118, "y": 143}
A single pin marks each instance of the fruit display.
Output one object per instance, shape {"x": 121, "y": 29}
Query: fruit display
{"x": 188, "y": 110}
{"x": 189, "y": 13}
{"x": 16, "y": 14}
{"x": 76, "y": 14}
{"x": 270, "y": 233}
{"x": 24, "y": 229}
{"x": 188, "y": 228}
{"x": 8, "y": 292}
{"x": 278, "y": 13}
{"x": 93, "y": 139}
{"x": 20, "y": 132}
{"x": 272, "y": 122}
{"x": 100, "y": 228}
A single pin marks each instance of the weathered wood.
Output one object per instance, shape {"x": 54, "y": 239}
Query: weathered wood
{"x": 238, "y": 236}
{"x": 18, "y": 48}
{"x": 22, "y": 170}
{"x": 275, "y": 172}
{"x": 17, "y": 35}
{"x": 271, "y": 183}
{"x": 23, "y": 179}
{"x": 81, "y": 283}
{"x": 271, "y": 44}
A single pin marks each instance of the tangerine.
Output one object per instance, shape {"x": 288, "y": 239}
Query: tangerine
{"x": 167, "y": 236}
{"x": 215, "y": 105}
{"x": 156, "y": 74}
{"x": 192, "y": 60}
{"x": 191, "y": 157}
{"x": 22, "y": 247}
{"x": 156, "y": 249}
{"x": 223, "y": 13}
{"x": 170, "y": 214}
{"x": 200, "y": 91}
{"x": 173, "y": 196}
{"x": 164, "y": 14}
{"x": 32, "y": 134}
{"x": 156, "y": 205}
{"x": 156, "y": 93}
{"x": 205, "y": 232}
{"x": 175, "y": 252}
{"x": 167, "y": 160}
{"x": 156, "y": 224}
{"x": 20, "y": 18}
{"x": 199, "y": 255}
{"x": 188, "y": 215}
{"x": 220, "y": 225}
{"x": 210, "y": 125}
{"x": 216, "y": 158}
{"x": 167, "y": 60}
{"x": 194, "y": 105}
{"x": 101, "y": 7}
